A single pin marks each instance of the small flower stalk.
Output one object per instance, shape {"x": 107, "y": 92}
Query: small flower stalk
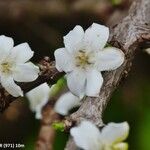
{"x": 88, "y": 137}
{"x": 84, "y": 57}
{"x": 15, "y": 65}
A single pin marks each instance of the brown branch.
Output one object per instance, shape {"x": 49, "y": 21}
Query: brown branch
{"x": 127, "y": 35}
{"x": 47, "y": 133}
{"x": 48, "y": 73}
{"x": 46, "y": 137}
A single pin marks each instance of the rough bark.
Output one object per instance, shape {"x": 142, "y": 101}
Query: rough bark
{"x": 127, "y": 35}
{"x": 47, "y": 132}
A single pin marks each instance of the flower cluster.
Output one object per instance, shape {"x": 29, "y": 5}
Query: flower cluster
{"x": 86, "y": 136}
{"x": 83, "y": 58}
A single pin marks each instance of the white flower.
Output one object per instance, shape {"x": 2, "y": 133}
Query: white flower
{"x": 84, "y": 57}
{"x": 88, "y": 137}
{"x": 14, "y": 65}
{"x": 66, "y": 102}
{"x": 38, "y": 97}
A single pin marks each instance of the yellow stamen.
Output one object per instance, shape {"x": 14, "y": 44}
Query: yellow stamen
{"x": 6, "y": 67}
{"x": 82, "y": 59}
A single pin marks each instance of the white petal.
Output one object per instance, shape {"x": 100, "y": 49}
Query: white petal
{"x": 10, "y": 86}
{"x": 94, "y": 83}
{"x": 86, "y": 136}
{"x": 38, "y": 97}
{"x": 6, "y": 44}
{"x": 38, "y": 113}
{"x": 64, "y": 61}
{"x": 66, "y": 102}
{"x": 147, "y": 50}
{"x": 21, "y": 53}
{"x": 109, "y": 59}
{"x": 25, "y": 72}
{"x": 74, "y": 39}
{"x": 96, "y": 37}
{"x": 115, "y": 132}
{"x": 76, "y": 81}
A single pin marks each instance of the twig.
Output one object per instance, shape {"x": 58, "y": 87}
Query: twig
{"x": 48, "y": 73}
{"x": 47, "y": 133}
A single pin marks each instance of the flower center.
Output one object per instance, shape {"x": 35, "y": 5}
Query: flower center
{"x": 83, "y": 59}
{"x": 6, "y": 67}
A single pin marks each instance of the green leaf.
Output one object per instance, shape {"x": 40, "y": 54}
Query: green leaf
{"x": 59, "y": 126}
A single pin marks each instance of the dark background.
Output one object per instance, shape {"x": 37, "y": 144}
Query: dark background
{"x": 43, "y": 24}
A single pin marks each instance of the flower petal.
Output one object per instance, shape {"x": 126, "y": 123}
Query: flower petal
{"x": 38, "y": 113}
{"x": 94, "y": 82}
{"x": 21, "y": 53}
{"x": 10, "y": 86}
{"x": 96, "y": 37}
{"x": 66, "y": 102}
{"x": 6, "y": 44}
{"x": 74, "y": 39}
{"x": 115, "y": 132}
{"x": 121, "y": 146}
{"x": 76, "y": 81}
{"x": 86, "y": 136}
{"x": 147, "y": 50}
{"x": 25, "y": 72}
{"x": 38, "y": 97}
{"x": 64, "y": 61}
{"x": 109, "y": 59}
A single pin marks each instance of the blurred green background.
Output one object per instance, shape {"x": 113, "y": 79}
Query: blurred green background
{"x": 42, "y": 24}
